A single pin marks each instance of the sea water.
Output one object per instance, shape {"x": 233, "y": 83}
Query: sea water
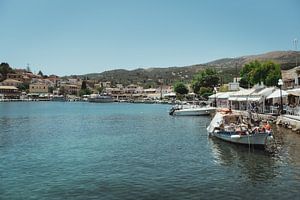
{"x": 78, "y": 150}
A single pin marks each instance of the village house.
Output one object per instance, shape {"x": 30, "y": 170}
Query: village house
{"x": 72, "y": 89}
{"x": 73, "y": 81}
{"x": 152, "y": 93}
{"x": 117, "y": 93}
{"x": 31, "y": 76}
{"x": 18, "y": 77}
{"x": 9, "y": 92}
{"x": 133, "y": 89}
{"x": 20, "y": 71}
{"x": 54, "y": 79}
{"x": 11, "y": 82}
{"x": 38, "y": 88}
{"x": 235, "y": 85}
{"x": 120, "y": 86}
{"x": 291, "y": 78}
{"x": 106, "y": 84}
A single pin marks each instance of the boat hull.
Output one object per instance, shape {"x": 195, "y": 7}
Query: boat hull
{"x": 194, "y": 111}
{"x": 100, "y": 100}
{"x": 256, "y": 139}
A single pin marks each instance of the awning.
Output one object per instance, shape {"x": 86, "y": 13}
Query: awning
{"x": 276, "y": 94}
{"x": 237, "y": 99}
{"x": 295, "y": 92}
{"x": 218, "y": 95}
{"x": 253, "y": 99}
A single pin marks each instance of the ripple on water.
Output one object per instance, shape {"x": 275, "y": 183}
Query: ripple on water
{"x": 132, "y": 151}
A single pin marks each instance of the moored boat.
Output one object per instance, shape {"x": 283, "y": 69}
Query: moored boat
{"x": 100, "y": 98}
{"x": 58, "y": 98}
{"x": 191, "y": 110}
{"x": 233, "y": 127}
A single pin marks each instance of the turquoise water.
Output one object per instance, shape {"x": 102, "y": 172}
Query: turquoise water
{"x": 56, "y": 150}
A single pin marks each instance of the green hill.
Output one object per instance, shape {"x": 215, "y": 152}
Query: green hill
{"x": 228, "y": 68}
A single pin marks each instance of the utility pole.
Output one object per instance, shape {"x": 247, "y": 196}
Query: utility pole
{"x": 295, "y": 43}
{"x": 221, "y": 81}
{"x": 236, "y": 72}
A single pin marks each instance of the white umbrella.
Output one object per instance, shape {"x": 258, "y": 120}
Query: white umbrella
{"x": 276, "y": 94}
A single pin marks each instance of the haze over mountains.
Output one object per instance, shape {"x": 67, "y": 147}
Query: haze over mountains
{"x": 228, "y": 68}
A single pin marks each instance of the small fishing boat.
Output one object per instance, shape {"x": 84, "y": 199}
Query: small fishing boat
{"x": 191, "y": 110}
{"x": 235, "y": 128}
{"x": 100, "y": 98}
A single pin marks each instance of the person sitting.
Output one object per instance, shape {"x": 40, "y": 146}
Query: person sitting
{"x": 267, "y": 126}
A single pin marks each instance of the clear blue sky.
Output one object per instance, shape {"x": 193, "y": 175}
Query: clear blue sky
{"x": 82, "y": 36}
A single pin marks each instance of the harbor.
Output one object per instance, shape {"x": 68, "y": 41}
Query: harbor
{"x": 124, "y": 151}
{"x": 149, "y": 100}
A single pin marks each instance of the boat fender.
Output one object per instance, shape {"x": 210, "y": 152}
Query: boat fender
{"x": 235, "y": 136}
{"x": 270, "y": 137}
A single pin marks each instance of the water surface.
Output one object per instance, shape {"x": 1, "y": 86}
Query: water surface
{"x": 56, "y": 150}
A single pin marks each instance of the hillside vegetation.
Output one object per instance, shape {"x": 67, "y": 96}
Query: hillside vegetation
{"x": 227, "y": 67}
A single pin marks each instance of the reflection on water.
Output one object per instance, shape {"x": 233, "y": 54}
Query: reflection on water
{"x": 256, "y": 164}
{"x": 288, "y": 145}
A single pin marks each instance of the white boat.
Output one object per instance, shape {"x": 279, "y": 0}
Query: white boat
{"x": 58, "y": 98}
{"x": 232, "y": 127}
{"x": 100, "y": 98}
{"x": 191, "y": 110}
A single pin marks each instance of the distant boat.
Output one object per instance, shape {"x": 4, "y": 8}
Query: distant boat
{"x": 231, "y": 127}
{"x": 58, "y": 98}
{"x": 191, "y": 110}
{"x": 100, "y": 98}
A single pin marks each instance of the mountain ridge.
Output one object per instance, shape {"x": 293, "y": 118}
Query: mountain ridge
{"x": 228, "y": 67}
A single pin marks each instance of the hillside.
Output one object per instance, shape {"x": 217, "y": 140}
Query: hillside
{"x": 228, "y": 67}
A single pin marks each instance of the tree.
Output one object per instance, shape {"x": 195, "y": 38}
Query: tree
{"x": 85, "y": 92}
{"x": 5, "y": 69}
{"x": 207, "y": 78}
{"x": 62, "y": 90}
{"x": 180, "y": 88}
{"x": 24, "y": 87}
{"x": 100, "y": 89}
{"x": 246, "y": 73}
{"x": 205, "y": 92}
{"x": 83, "y": 85}
{"x": 40, "y": 73}
{"x": 28, "y": 68}
{"x": 273, "y": 73}
{"x": 256, "y": 72}
{"x": 50, "y": 89}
